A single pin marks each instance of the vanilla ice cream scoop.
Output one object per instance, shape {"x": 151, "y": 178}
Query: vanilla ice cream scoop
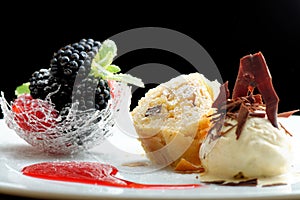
{"x": 246, "y": 142}
{"x": 260, "y": 151}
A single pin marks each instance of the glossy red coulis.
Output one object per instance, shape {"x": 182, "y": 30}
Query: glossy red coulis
{"x": 90, "y": 173}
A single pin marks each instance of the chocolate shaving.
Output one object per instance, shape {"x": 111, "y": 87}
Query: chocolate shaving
{"x": 238, "y": 109}
{"x": 242, "y": 118}
{"x": 275, "y": 184}
{"x": 228, "y": 124}
{"x": 233, "y": 106}
{"x": 239, "y": 175}
{"x": 287, "y": 114}
{"x": 136, "y": 164}
{"x": 286, "y": 131}
{"x": 228, "y": 130}
{"x": 258, "y": 114}
{"x": 153, "y": 110}
{"x": 250, "y": 182}
{"x": 258, "y": 99}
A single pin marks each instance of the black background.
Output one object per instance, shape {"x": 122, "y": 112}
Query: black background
{"x": 228, "y": 30}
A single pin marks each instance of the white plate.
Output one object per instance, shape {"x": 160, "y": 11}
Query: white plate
{"x": 119, "y": 149}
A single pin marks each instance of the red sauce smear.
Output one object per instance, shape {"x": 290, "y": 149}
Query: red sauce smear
{"x": 90, "y": 173}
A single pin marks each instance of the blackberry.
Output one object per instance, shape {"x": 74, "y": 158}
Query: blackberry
{"x": 92, "y": 93}
{"x": 102, "y": 94}
{"x": 69, "y": 79}
{"x": 74, "y": 60}
{"x": 42, "y": 83}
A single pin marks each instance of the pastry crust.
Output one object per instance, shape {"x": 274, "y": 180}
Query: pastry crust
{"x": 172, "y": 121}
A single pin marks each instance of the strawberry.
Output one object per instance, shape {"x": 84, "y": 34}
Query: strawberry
{"x": 34, "y": 115}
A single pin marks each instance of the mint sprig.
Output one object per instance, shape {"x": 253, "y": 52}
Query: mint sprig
{"x": 22, "y": 89}
{"x": 102, "y": 65}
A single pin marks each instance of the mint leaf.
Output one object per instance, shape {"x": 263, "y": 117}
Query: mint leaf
{"x": 107, "y": 60}
{"x": 22, "y": 89}
{"x": 99, "y": 71}
{"x": 127, "y": 78}
{"x": 106, "y": 53}
{"x": 102, "y": 65}
{"x": 113, "y": 68}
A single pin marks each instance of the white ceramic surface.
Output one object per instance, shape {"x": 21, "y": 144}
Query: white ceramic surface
{"x": 118, "y": 150}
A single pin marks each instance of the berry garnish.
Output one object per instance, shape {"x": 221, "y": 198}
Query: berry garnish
{"x": 73, "y": 102}
{"x": 33, "y": 115}
{"x": 80, "y": 72}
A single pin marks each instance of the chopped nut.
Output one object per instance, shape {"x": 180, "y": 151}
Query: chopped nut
{"x": 153, "y": 110}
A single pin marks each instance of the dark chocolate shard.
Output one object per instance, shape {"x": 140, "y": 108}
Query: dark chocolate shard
{"x": 242, "y": 118}
{"x": 254, "y": 72}
{"x": 224, "y": 94}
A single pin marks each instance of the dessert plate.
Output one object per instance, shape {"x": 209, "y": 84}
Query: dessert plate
{"x": 124, "y": 152}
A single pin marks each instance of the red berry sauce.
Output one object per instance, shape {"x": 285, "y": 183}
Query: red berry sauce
{"x": 90, "y": 173}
